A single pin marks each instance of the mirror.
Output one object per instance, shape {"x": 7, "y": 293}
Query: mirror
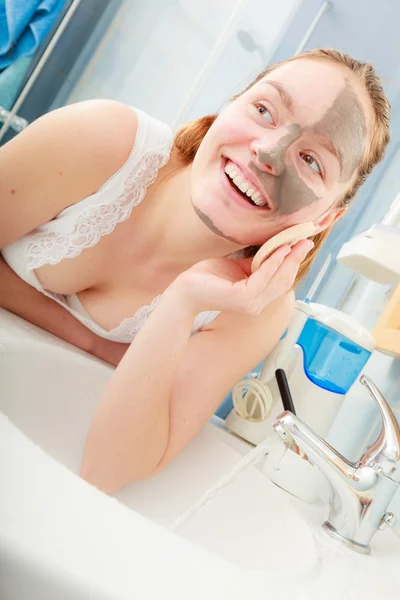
{"x": 105, "y": 208}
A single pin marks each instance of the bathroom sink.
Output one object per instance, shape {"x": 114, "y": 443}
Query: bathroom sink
{"x": 252, "y": 539}
{"x": 50, "y": 391}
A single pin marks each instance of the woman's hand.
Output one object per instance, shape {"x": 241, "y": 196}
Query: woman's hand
{"x": 228, "y": 285}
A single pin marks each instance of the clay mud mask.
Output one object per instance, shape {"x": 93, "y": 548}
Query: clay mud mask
{"x": 343, "y": 124}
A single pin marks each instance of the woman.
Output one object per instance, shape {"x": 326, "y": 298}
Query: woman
{"x": 152, "y": 229}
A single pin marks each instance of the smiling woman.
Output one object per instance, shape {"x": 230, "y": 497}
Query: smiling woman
{"x": 292, "y": 153}
{"x": 342, "y": 146}
{"x": 159, "y": 233}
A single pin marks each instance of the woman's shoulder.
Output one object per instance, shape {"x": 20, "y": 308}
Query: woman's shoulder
{"x": 134, "y": 143}
{"x": 64, "y": 155}
{"x": 74, "y": 149}
{"x": 98, "y": 135}
{"x": 120, "y": 134}
{"x": 104, "y": 130}
{"x": 94, "y": 140}
{"x": 68, "y": 154}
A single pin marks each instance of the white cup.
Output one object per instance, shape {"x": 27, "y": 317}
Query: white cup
{"x": 295, "y": 475}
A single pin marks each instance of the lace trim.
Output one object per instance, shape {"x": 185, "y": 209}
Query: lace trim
{"x": 98, "y": 220}
{"x": 127, "y": 330}
{"x": 129, "y": 327}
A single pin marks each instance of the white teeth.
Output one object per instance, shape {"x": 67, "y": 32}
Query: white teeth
{"x": 256, "y": 197}
{"x": 258, "y": 202}
{"x": 243, "y": 185}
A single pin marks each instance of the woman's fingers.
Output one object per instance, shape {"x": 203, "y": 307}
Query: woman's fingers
{"x": 260, "y": 278}
{"x": 277, "y": 277}
{"x": 285, "y": 276}
{"x": 224, "y": 284}
{"x": 293, "y": 261}
{"x": 285, "y": 262}
{"x": 301, "y": 249}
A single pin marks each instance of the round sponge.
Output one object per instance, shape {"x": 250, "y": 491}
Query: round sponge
{"x": 291, "y": 236}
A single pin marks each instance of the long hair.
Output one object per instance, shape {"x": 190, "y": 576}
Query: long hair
{"x": 189, "y": 137}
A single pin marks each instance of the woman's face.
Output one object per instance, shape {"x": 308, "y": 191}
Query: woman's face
{"x": 294, "y": 140}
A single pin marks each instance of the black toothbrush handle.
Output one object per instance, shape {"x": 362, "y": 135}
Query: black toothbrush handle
{"x": 284, "y": 390}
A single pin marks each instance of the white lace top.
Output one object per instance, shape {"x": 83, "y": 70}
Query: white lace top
{"x": 82, "y": 225}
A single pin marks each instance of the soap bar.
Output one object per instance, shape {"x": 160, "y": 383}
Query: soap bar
{"x": 290, "y": 236}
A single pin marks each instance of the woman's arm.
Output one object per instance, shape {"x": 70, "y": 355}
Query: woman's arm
{"x": 20, "y": 298}
{"x": 56, "y": 161}
{"x": 61, "y": 158}
{"x": 169, "y": 384}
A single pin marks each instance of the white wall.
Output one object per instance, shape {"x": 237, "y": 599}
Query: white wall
{"x": 179, "y": 59}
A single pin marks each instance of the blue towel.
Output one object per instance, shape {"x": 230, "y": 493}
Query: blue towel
{"x": 23, "y": 26}
{"x": 11, "y": 80}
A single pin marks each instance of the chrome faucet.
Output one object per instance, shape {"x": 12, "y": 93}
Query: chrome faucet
{"x": 361, "y": 492}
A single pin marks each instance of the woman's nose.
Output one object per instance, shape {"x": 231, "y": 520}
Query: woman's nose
{"x": 268, "y": 157}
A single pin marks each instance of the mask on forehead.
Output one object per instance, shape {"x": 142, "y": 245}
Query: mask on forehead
{"x": 344, "y": 123}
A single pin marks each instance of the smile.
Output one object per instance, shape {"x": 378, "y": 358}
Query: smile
{"x": 243, "y": 186}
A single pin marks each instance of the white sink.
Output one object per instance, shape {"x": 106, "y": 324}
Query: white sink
{"x": 253, "y": 539}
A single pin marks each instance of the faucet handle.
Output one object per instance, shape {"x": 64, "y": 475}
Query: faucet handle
{"x": 384, "y": 453}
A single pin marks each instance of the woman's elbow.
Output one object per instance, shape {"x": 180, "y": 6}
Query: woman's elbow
{"x": 112, "y": 480}
{"x": 98, "y": 478}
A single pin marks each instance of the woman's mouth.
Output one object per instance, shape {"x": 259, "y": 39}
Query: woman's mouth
{"x": 241, "y": 188}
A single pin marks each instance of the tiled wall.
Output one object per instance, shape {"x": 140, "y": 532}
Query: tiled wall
{"x": 160, "y": 54}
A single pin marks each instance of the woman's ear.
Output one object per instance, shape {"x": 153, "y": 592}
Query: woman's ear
{"x": 329, "y": 219}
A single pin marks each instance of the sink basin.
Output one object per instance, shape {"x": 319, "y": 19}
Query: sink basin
{"x": 253, "y": 538}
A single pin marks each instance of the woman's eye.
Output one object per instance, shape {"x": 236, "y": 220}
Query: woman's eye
{"x": 311, "y": 162}
{"x": 265, "y": 112}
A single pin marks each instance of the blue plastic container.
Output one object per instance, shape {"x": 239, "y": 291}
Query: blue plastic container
{"x": 331, "y": 360}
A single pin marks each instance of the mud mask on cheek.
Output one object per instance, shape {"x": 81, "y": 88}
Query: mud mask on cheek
{"x": 344, "y": 124}
{"x": 286, "y": 190}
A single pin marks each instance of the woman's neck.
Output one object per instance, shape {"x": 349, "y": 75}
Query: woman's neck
{"x": 169, "y": 225}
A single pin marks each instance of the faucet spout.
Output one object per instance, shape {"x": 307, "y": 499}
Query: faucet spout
{"x": 318, "y": 452}
{"x": 359, "y": 492}
{"x": 385, "y": 451}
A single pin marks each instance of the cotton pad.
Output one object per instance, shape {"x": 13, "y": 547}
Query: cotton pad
{"x": 290, "y": 236}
